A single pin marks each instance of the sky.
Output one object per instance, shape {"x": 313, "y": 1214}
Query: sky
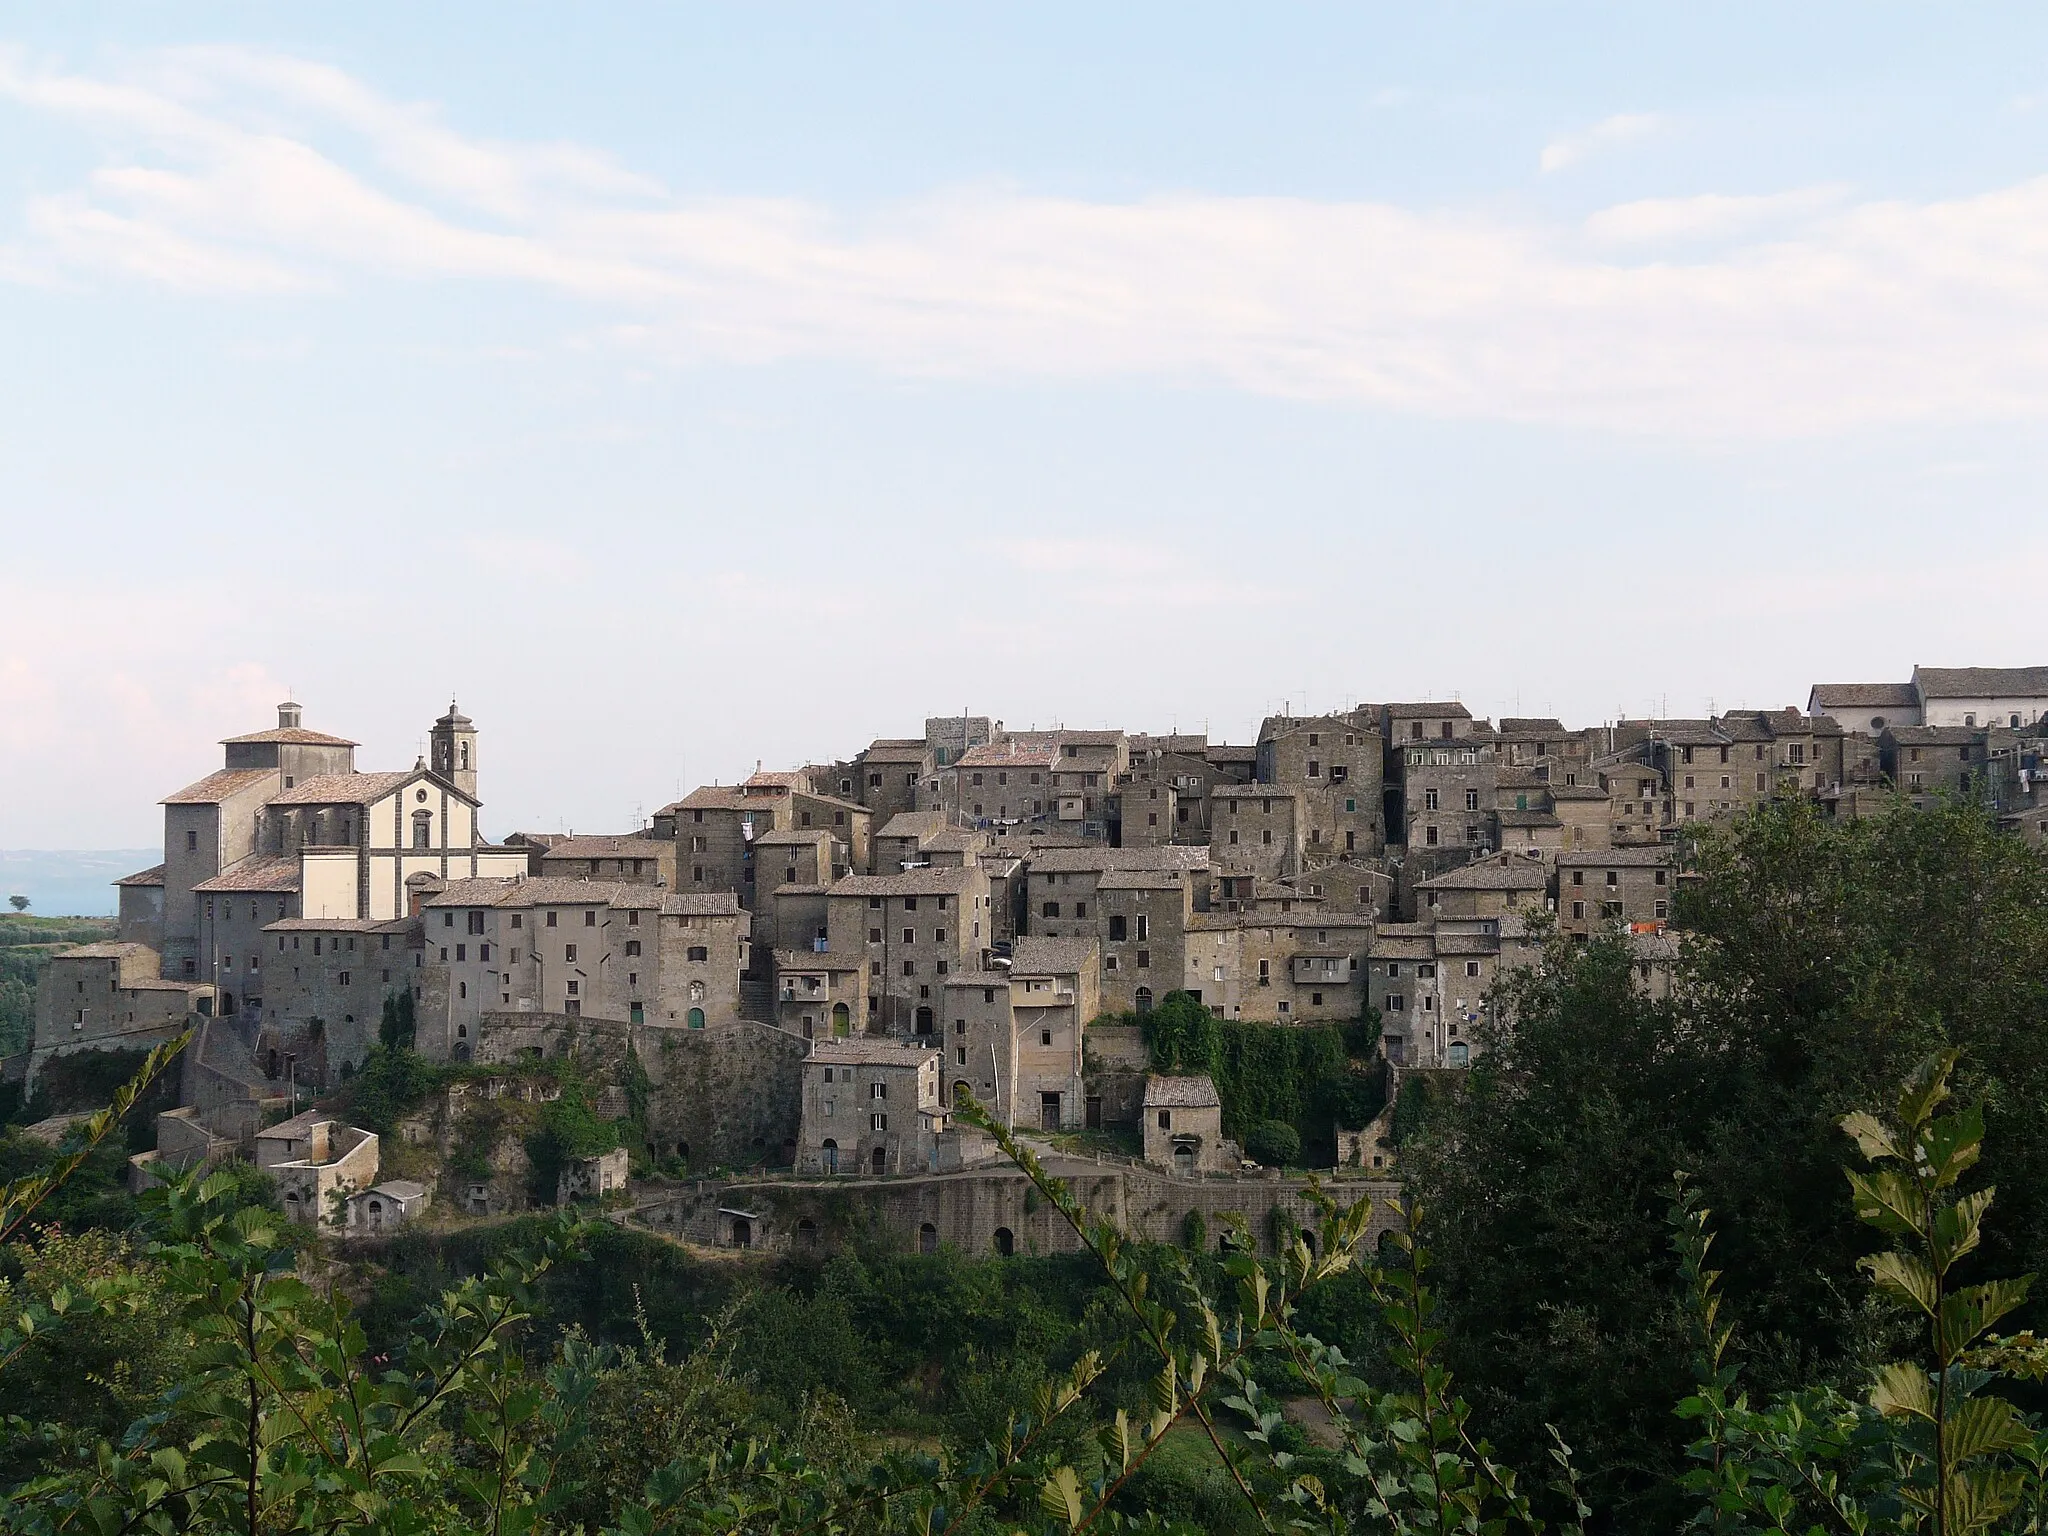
{"x": 686, "y": 387}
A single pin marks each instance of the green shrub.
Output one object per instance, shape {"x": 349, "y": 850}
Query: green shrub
{"x": 1273, "y": 1142}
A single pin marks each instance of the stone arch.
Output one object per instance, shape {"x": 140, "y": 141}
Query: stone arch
{"x": 742, "y": 1232}
{"x": 927, "y": 1238}
{"x": 842, "y": 1020}
{"x": 960, "y": 1090}
{"x": 696, "y": 1018}
{"x": 880, "y": 1159}
{"x": 807, "y": 1231}
{"x": 831, "y": 1155}
{"x": 1006, "y": 1242}
{"x": 1144, "y": 999}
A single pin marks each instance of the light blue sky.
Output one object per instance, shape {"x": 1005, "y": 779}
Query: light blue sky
{"x": 691, "y": 386}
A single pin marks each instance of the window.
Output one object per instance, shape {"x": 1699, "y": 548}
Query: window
{"x": 1045, "y": 1037}
{"x": 1052, "y": 908}
{"x": 590, "y": 919}
{"x": 1116, "y": 928}
{"x": 910, "y": 935}
{"x": 572, "y": 988}
{"x": 1429, "y": 799}
{"x": 910, "y": 967}
{"x": 699, "y": 953}
{"x": 344, "y": 982}
{"x": 878, "y": 1090}
{"x": 874, "y": 935}
{"x": 1578, "y": 909}
{"x": 462, "y": 951}
{"x": 551, "y": 920}
{"x": 1429, "y": 836}
{"x": 1471, "y": 799}
{"x": 878, "y": 1123}
{"x": 569, "y": 953}
{"x": 632, "y": 948}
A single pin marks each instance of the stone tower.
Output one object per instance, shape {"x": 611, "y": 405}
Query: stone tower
{"x": 454, "y": 750}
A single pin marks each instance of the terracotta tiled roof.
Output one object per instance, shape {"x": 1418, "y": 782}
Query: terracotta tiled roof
{"x": 289, "y": 736}
{"x": 347, "y": 788}
{"x": 258, "y": 872}
{"x": 1981, "y": 682}
{"x": 216, "y": 787}
{"x": 871, "y": 1053}
{"x": 628, "y": 845}
{"x": 1054, "y": 957}
{"x": 1181, "y": 1093}
{"x": 1830, "y": 696}
{"x": 151, "y": 876}
{"x": 912, "y": 882}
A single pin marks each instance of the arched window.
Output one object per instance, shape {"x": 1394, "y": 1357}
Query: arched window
{"x": 927, "y": 1238}
{"x": 1144, "y": 999}
{"x": 423, "y": 829}
{"x": 696, "y": 1018}
{"x": 464, "y": 750}
{"x": 831, "y": 1151}
{"x": 807, "y": 1231}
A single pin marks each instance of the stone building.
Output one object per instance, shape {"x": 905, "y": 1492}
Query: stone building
{"x": 1625, "y": 885}
{"x": 914, "y": 929}
{"x": 887, "y": 778}
{"x": 1302, "y": 967}
{"x": 820, "y": 995}
{"x": 1256, "y": 829}
{"x": 1053, "y": 996}
{"x": 1336, "y": 764}
{"x": 1921, "y": 760}
{"x": 1062, "y": 884}
{"x": 317, "y": 1163}
{"x": 1183, "y": 1125}
{"x": 110, "y": 997}
{"x": 633, "y": 857}
{"x": 1495, "y": 886}
{"x": 1142, "y": 923}
{"x": 869, "y": 1107}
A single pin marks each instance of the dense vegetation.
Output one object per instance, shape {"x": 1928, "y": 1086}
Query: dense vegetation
{"x": 26, "y": 943}
{"x": 1306, "y": 1079}
{"x": 1758, "y": 1346}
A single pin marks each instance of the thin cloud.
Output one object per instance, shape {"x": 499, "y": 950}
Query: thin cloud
{"x": 229, "y": 172}
{"x": 1623, "y": 128}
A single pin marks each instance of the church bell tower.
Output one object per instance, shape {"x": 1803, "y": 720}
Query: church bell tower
{"x": 454, "y": 750}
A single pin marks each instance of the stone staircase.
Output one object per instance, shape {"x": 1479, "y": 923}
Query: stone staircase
{"x": 757, "y": 998}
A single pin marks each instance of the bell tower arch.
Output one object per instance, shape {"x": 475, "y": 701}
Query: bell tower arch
{"x": 453, "y": 753}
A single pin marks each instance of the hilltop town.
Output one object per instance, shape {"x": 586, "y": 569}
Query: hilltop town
{"x": 793, "y": 983}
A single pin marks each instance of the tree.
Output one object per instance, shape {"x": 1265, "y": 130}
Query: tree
{"x": 1274, "y": 1143}
{"x": 19, "y": 903}
{"x": 1183, "y": 1035}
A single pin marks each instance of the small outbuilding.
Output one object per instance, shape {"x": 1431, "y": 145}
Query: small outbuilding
{"x": 1183, "y": 1122}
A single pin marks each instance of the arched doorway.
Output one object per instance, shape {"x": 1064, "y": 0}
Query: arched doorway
{"x": 696, "y": 1018}
{"x": 831, "y": 1154}
{"x": 789, "y": 1151}
{"x": 1184, "y": 1156}
{"x": 1006, "y": 1243}
{"x": 880, "y": 1160}
{"x": 842, "y": 1020}
{"x": 924, "y": 1021}
{"x": 683, "y": 1152}
{"x": 927, "y": 1238}
{"x": 742, "y": 1232}
{"x": 960, "y": 1090}
{"x": 227, "y": 1004}
{"x": 807, "y": 1232}
{"x": 1144, "y": 999}
{"x": 376, "y": 1208}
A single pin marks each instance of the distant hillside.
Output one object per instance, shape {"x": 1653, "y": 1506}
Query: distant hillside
{"x": 67, "y": 882}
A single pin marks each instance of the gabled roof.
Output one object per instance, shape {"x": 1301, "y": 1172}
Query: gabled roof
{"x": 895, "y": 749}
{"x": 622, "y": 845}
{"x": 225, "y": 785}
{"x": 1615, "y": 858}
{"x": 258, "y": 872}
{"x": 1831, "y": 696}
{"x": 1166, "y": 856}
{"x": 1054, "y": 957}
{"x": 933, "y": 881}
{"x": 1524, "y": 725}
{"x": 871, "y": 1053}
{"x": 1501, "y": 872}
{"x": 1981, "y": 682}
{"x": 356, "y": 788}
{"x": 1181, "y": 1093}
{"x": 1935, "y": 735}
{"x": 154, "y": 875}
{"x": 289, "y": 736}
{"x": 1443, "y": 710}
